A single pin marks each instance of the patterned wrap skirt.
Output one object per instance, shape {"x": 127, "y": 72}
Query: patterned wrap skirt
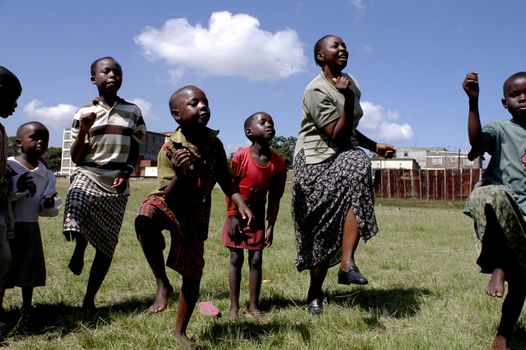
{"x": 495, "y": 212}
{"x": 94, "y": 213}
{"x": 322, "y": 195}
{"x": 186, "y": 255}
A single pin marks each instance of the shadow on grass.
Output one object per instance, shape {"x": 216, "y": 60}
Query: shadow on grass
{"x": 216, "y": 334}
{"x": 59, "y": 319}
{"x": 518, "y": 339}
{"x": 395, "y": 302}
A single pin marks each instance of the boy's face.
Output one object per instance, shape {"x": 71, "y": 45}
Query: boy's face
{"x": 190, "y": 109}
{"x": 515, "y": 97}
{"x": 33, "y": 139}
{"x": 8, "y": 98}
{"x": 108, "y": 76}
{"x": 261, "y": 128}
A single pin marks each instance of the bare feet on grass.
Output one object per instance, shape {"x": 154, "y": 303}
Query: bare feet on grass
{"x": 162, "y": 295}
{"x": 233, "y": 315}
{"x": 495, "y": 286}
{"x": 187, "y": 343}
{"x": 499, "y": 343}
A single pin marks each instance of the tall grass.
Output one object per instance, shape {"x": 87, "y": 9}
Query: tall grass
{"x": 425, "y": 291}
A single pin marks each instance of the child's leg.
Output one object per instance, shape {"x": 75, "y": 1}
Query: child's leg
{"x": 152, "y": 244}
{"x": 99, "y": 269}
{"x": 187, "y": 299}
{"x": 511, "y": 310}
{"x": 255, "y": 262}
{"x": 76, "y": 263}
{"x": 495, "y": 287}
{"x": 234, "y": 280}
{"x": 27, "y": 299}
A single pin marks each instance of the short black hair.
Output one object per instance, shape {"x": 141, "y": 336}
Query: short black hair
{"x": 249, "y": 120}
{"x": 317, "y": 47}
{"x": 94, "y": 64}
{"x": 8, "y": 79}
{"x": 21, "y": 127}
{"x": 510, "y": 79}
{"x": 176, "y": 94}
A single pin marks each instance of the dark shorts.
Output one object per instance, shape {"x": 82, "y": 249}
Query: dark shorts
{"x": 186, "y": 255}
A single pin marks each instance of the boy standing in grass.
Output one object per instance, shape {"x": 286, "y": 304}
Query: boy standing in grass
{"x": 33, "y": 188}
{"x": 189, "y": 165}
{"x": 498, "y": 205}
{"x": 106, "y": 136}
{"x": 259, "y": 172}
{"x": 10, "y": 90}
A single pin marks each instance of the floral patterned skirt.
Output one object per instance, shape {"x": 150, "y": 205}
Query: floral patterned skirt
{"x": 322, "y": 195}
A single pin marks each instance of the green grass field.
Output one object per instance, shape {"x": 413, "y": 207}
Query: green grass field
{"x": 425, "y": 291}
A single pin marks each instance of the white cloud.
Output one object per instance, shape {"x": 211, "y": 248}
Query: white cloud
{"x": 146, "y": 109}
{"x": 59, "y": 116}
{"x": 233, "y": 44}
{"x": 380, "y": 124}
{"x": 358, "y": 4}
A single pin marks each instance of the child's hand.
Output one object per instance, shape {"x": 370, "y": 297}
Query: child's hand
{"x": 269, "y": 235}
{"x": 234, "y": 228}
{"x": 385, "y": 150}
{"x": 25, "y": 183}
{"x": 471, "y": 85}
{"x": 120, "y": 183}
{"x": 179, "y": 157}
{"x": 49, "y": 201}
{"x": 86, "y": 121}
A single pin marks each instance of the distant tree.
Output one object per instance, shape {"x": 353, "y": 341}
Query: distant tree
{"x": 53, "y": 157}
{"x": 284, "y": 146}
{"x": 12, "y": 149}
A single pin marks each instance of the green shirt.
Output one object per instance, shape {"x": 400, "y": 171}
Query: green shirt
{"x": 323, "y": 103}
{"x": 505, "y": 141}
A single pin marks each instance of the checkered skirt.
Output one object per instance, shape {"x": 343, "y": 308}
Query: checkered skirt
{"x": 94, "y": 213}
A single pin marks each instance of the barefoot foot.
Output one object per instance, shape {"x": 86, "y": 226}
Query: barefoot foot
{"x": 233, "y": 315}
{"x": 162, "y": 295}
{"x": 187, "y": 343}
{"x": 495, "y": 286}
{"x": 499, "y": 343}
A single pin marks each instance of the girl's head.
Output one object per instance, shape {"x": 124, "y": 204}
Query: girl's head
{"x": 189, "y": 108}
{"x": 331, "y": 50}
{"x": 10, "y": 90}
{"x": 259, "y": 127}
{"x": 32, "y": 139}
{"x": 106, "y": 74}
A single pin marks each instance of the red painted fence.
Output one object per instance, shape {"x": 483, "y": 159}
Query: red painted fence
{"x": 447, "y": 184}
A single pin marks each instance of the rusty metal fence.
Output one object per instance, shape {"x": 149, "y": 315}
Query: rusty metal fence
{"x": 449, "y": 184}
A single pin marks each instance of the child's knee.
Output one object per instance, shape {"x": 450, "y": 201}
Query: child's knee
{"x": 236, "y": 258}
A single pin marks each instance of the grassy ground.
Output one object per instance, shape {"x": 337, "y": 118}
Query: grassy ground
{"x": 424, "y": 291}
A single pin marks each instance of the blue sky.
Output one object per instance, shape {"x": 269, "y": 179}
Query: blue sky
{"x": 409, "y": 57}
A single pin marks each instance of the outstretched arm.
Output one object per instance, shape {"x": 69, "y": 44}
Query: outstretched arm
{"x": 471, "y": 87}
{"x": 383, "y": 149}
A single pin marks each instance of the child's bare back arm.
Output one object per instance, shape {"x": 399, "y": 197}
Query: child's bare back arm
{"x": 471, "y": 87}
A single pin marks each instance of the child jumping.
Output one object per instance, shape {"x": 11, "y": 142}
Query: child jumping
{"x": 259, "y": 172}
{"x": 189, "y": 165}
{"x": 33, "y": 195}
{"x": 106, "y": 135}
{"x": 498, "y": 205}
{"x": 10, "y": 90}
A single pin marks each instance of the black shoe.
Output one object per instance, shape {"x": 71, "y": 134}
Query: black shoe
{"x": 352, "y": 276}
{"x": 315, "y": 307}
